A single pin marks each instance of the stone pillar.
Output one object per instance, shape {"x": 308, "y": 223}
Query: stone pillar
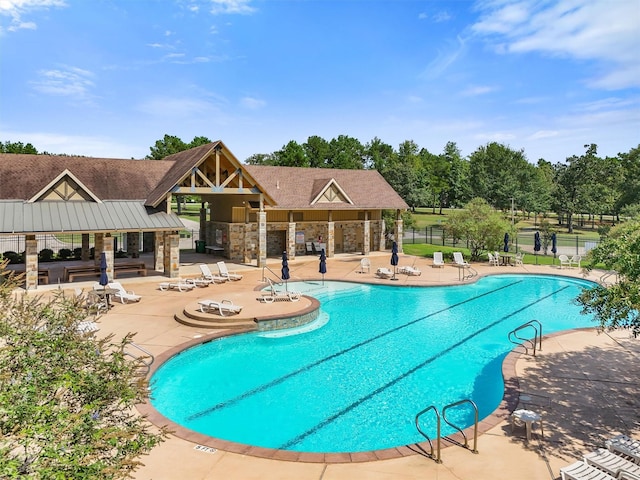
{"x": 381, "y": 240}
{"x": 107, "y": 246}
{"x": 291, "y": 241}
{"x": 133, "y": 244}
{"x": 31, "y": 262}
{"x": 262, "y": 239}
{"x": 398, "y": 232}
{"x": 85, "y": 252}
{"x": 98, "y": 247}
{"x": 172, "y": 254}
{"x": 202, "y": 234}
{"x": 158, "y": 251}
{"x": 366, "y": 237}
{"x": 330, "y": 239}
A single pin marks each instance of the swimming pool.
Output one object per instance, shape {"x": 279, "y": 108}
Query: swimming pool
{"x": 356, "y": 383}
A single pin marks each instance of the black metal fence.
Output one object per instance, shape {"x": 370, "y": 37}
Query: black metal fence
{"x": 524, "y": 240}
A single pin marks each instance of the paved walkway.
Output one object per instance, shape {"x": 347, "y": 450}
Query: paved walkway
{"x": 591, "y": 377}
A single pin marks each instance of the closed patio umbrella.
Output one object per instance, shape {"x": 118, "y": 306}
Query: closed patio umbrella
{"x": 537, "y": 245}
{"x": 104, "y": 278}
{"x": 554, "y": 244}
{"x": 285, "y": 269}
{"x": 506, "y": 242}
{"x": 323, "y": 264}
{"x": 394, "y": 259}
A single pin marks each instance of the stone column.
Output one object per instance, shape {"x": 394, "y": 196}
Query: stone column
{"x": 262, "y": 239}
{"x": 366, "y": 237}
{"x": 107, "y": 246}
{"x": 98, "y": 247}
{"x": 291, "y": 241}
{"x": 330, "y": 239}
{"x": 31, "y": 262}
{"x": 133, "y": 244}
{"x": 172, "y": 254}
{"x": 85, "y": 253}
{"x": 158, "y": 251}
{"x": 202, "y": 234}
{"x": 381, "y": 240}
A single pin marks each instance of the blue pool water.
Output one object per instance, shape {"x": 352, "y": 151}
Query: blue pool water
{"x": 357, "y": 382}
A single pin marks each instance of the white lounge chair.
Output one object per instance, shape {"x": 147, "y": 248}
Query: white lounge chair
{"x": 626, "y": 446}
{"x": 124, "y": 295}
{"x": 611, "y": 463}
{"x": 409, "y": 270}
{"x": 493, "y": 260}
{"x": 222, "y": 307}
{"x": 207, "y": 275}
{"x": 575, "y": 261}
{"x": 199, "y": 282}
{"x": 365, "y": 264}
{"x": 464, "y": 266}
{"x": 438, "y": 261}
{"x": 384, "y": 272}
{"x": 225, "y": 273}
{"x": 458, "y": 259}
{"x": 180, "y": 285}
{"x": 278, "y": 296}
{"x": 88, "y": 327}
{"x": 564, "y": 261}
{"x": 581, "y": 471}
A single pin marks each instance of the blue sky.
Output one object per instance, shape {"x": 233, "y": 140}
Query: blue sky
{"x": 108, "y": 78}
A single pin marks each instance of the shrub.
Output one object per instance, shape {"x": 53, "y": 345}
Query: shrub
{"x": 77, "y": 253}
{"x": 13, "y": 257}
{"x": 45, "y": 255}
{"x": 64, "y": 253}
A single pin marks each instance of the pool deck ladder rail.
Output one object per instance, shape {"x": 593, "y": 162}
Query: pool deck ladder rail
{"x": 527, "y": 343}
{"x": 437, "y": 456}
{"x": 146, "y": 359}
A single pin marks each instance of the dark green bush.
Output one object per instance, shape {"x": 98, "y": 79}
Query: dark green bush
{"x": 13, "y": 257}
{"x": 45, "y": 255}
{"x": 64, "y": 253}
{"x": 77, "y": 253}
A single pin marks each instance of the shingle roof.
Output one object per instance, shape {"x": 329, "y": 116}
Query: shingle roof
{"x": 295, "y": 188}
{"x": 22, "y": 176}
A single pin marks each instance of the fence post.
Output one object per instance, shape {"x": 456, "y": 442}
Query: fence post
{"x": 413, "y": 231}
{"x": 577, "y": 245}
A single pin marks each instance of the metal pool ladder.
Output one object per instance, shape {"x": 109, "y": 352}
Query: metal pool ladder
{"x": 146, "y": 359}
{"x": 436, "y": 456}
{"x": 537, "y": 336}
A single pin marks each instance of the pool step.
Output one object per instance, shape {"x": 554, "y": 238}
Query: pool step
{"x": 193, "y": 317}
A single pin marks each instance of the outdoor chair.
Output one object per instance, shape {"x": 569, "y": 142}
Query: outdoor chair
{"x": 180, "y": 285}
{"x": 626, "y": 446}
{"x": 384, "y": 272}
{"x": 122, "y": 294}
{"x": 438, "y": 261}
{"x": 564, "y": 261}
{"x": 493, "y": 260}
{"x": 225, "y": 273}
{"x": 365, "y": 264}
{"x": 409, "y": 270}
{"x": 519, "y": 259}
{"x": 575, "y": 261}
{"x": 582, "y": 471}
{"x": 221, "y": 307}
{"x": 207, "y": 275}
{"x": 610, "y": 462}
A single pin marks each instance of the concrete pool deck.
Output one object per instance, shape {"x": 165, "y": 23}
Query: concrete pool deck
{"x": 590, "y": 377}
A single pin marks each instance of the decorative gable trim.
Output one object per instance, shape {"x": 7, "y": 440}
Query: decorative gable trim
{"x": 331, "y": 192}
{"x": 65, "y": 188}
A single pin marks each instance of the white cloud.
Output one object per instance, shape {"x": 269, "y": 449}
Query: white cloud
{"x": 241, "y": 7}
{"x": 16, "y": 9}
{"x": 601, "y": 30}
{"x": 252, "y": 103}
{"x": 444, "y": 59}
{"x": 68, "y": 82}
{"x": 494, "y": 136}
{"x": 478, "y": 90}
{"x": 543, "y": 134}
{"x": 168, "y": 107}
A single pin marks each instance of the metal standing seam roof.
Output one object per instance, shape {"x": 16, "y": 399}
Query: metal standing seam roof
{"x": 46, "y": 217}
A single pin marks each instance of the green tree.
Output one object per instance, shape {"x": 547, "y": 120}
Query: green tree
{"x": 67, "y": 400}
{"x": 618, "y": 305}
{"x": 378, "y": 154}
{"x": 317, "y": 151}
{"x": 292, "y": 155}
{"x": 17, "y": 147}
{"x": 480, "y": 225}
{"x": 261, "y": 159}
{"x": 436, "y": 172}
{"x": 458, "y": 191}
{"x": 346, "y": 152}
{"x": 630, "y": 184}
{"x": 403, "y": 171}
{"x": 171, "y": 144}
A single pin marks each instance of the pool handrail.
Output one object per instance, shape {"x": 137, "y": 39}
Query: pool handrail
{"x": 417, "y": 420}
{"x": 146, "y": 360}
{"x": 537, "y": 337}
{"x": 475, "y": 423}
